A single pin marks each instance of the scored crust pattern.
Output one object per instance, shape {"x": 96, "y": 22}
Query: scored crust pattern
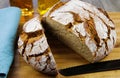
{"x": 33, "y": 46}
{"x": 92, "y": 25}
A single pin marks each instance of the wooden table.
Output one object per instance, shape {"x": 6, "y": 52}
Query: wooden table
{"x": 65, "y": 57}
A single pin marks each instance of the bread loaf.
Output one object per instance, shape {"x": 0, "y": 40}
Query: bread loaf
{"x": 33, "y": 46}
{"x": 86, "y": 29}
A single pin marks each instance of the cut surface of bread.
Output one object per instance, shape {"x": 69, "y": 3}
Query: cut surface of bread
{"x": 86, "y": 29}
{"x": 33, "y": 46}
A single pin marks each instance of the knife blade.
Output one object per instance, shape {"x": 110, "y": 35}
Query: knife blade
{"x": 91, "y": 68}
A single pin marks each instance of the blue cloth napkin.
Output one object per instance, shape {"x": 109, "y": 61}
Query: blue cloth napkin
{"x": 9, "y": 19}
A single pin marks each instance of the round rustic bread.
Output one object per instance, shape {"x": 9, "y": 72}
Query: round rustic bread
{"x": 33, "y": 46}
{"x": 86, "y": 29}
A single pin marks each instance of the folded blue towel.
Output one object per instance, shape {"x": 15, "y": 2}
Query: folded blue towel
{"x": 9, "y": 19}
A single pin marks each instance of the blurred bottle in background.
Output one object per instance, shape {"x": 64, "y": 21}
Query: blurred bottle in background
{"x": 45, "y": 5}
{"x": 31, "y": 8}
{"x": 25, "y": 5}
{"x": 27, "y": 11}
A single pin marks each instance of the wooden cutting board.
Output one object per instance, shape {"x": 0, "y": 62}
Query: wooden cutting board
{"x": 65, "y": 57}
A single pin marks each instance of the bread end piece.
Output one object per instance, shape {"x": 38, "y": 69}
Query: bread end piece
{"x": 33, "y": 46}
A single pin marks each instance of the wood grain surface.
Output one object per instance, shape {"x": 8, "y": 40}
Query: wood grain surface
{"x": 65, "y": 57}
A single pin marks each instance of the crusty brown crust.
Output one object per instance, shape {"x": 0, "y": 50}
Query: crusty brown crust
{"x": 33, "y": 47}
{"x": 92, "y": 25}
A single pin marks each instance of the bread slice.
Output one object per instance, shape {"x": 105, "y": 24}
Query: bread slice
{"x": 33, "y": 46}
{"x": 86, "y": 29}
